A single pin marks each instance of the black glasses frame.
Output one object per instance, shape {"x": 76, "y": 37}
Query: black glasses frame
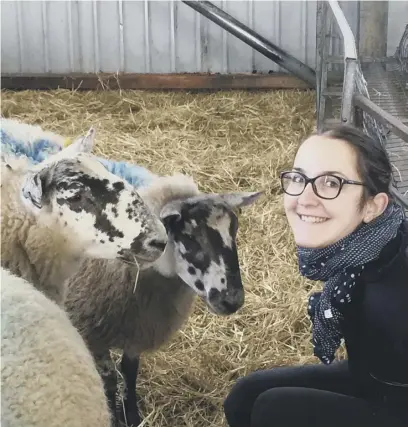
{"x": 342, "y": 182}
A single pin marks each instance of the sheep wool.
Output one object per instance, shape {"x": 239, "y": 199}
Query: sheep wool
{"x": 48, "y": 376}
{"x": 22, "y": 139}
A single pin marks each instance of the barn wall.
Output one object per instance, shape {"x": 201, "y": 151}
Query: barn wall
{"x": 157, "y": 36}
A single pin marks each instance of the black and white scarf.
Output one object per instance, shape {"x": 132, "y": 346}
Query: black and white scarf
{"x": 339, "y": 266}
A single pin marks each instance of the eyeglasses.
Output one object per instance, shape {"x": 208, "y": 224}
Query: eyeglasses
{"x": 324, "y": 186}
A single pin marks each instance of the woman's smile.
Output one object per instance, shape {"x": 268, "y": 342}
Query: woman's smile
{"x": 312, "y": 219}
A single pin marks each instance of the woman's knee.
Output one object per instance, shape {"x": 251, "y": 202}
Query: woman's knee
{"x": 273, "y": 407}
{"x": 238, "y": 404}
{"x": 251, "y": 403}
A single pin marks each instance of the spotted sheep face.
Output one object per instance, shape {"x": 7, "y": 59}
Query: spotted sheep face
{"x": 102, "y": 215}
{"x": 203, "y": 231}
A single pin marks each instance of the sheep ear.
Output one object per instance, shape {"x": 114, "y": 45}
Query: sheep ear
{"x": 82, "y": 144}
{"x": 240, "y": 199}
{"x": 171, "y": 212}
{"x": 32, "y": 190}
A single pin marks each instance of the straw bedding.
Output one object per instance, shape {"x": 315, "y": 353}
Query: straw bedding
{"x": 227, "y": 141}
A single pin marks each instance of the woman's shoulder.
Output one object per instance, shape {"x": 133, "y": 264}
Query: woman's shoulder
{"x": 404, "y": 238}
{"x": 393, "y": 259}
{"x": 404, "y": 226}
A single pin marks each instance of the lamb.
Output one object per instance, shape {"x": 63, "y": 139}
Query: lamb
{"x": 66, "y": 208}
{"x": 200, "y": 259}
{"x": 48, "y": 375}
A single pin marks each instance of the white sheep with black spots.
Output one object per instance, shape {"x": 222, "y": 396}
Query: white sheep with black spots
{"x": 200, "y": 259}
{"x": 66, "y": 208}
{"x": 53, "y": 215}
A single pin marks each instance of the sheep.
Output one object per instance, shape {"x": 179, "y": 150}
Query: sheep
{"x": 48, "y": 375}
{"x": 37, "y": 144}
{"x": 30, "y": 140}
{"x": 200, "y": 259}
{"x": 68, "y": 207}
{"x": 184, "y": 297}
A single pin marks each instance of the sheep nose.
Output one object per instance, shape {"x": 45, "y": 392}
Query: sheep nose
{"x": 158, "y": 244}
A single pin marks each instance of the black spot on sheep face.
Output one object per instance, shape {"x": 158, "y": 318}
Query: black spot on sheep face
{"x": 102, "y": 215}
{"x": 203, "y": 232}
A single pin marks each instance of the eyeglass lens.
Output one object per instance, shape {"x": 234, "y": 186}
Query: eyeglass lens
{"x": 327, "y": 186}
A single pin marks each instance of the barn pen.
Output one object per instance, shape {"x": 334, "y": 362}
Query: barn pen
{"x": 181, "y": 90}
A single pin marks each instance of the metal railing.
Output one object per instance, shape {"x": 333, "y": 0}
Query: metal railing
{"x": 350, "y": 62}
{"x": 356, "y": 106}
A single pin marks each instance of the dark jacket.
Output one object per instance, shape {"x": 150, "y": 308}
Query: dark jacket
{"x": 376, "y": 332}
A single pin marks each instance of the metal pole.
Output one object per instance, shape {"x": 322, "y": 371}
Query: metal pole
{"x": 253, "y": 39}
{"x": 350, "y": 50}
{"x": 350, "y": 72}
{"x": 350, "y": 60}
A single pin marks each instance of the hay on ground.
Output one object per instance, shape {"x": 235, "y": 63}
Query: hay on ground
{"x": 227, "y": 141}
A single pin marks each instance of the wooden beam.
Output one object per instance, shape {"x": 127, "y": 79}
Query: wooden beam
{"x": 151, "y": 81}
{"x": 382, "y": 116}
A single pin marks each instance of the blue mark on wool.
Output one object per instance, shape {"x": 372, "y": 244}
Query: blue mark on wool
{"x": 39, "y": 150}
{"x": 134, "y": 174}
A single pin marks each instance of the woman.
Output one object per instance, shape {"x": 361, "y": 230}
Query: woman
{"x": 351, "y": 235}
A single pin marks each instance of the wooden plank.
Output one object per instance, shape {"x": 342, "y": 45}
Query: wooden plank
{"x": 382, "y": 116}
{"x": 151, "y": 81}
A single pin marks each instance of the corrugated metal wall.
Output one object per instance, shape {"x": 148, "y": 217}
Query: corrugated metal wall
{"x": 156, "y": 36}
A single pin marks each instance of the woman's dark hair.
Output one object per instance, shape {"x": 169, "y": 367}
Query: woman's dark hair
{"x": 373, "y": 164}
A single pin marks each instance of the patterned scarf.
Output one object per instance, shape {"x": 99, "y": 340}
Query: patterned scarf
{"x": 339, "y": 266}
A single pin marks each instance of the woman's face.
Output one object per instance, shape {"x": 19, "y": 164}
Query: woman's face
{"x": 316, "y": 222}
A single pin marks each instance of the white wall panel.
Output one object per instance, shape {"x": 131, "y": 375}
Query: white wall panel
{"x": 140, "y": 36}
